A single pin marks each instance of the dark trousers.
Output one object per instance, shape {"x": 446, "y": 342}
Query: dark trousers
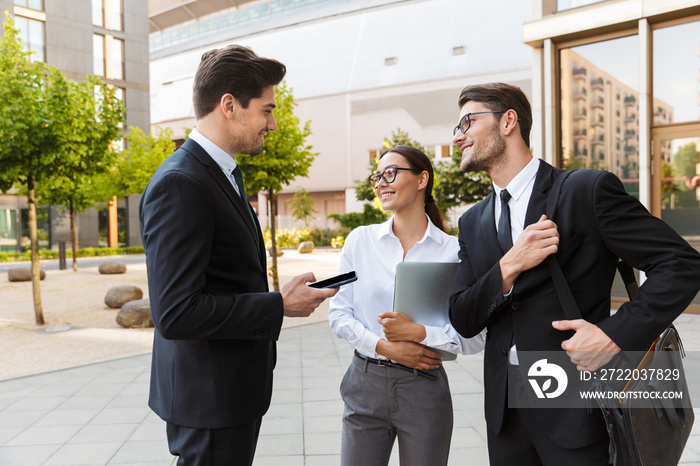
{"x": 522, "y": 440}
{"x": 231, "y": 446}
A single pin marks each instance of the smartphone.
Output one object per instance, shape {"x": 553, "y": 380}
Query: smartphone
{"x": 335, "y": 282}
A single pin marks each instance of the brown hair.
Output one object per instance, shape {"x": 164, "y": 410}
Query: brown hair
{"x": 420, "y": 163}
{"x": 234, "y": 70}
{"x": 500, "y": 97}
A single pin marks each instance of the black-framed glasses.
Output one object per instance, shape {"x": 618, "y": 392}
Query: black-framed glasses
{"x": 389, "y": 175}
{"x": 466, "y": 122}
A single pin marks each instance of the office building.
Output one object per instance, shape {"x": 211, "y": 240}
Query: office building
{"x": 107, "y": 38}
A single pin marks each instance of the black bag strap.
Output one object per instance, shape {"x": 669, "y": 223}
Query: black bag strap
{"x": 571, "y": 310}
{"x": 568, "y": 303}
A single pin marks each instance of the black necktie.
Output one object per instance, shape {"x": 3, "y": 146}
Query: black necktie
{"x": 504, "y": 237}
{"x": 238, "y": 176}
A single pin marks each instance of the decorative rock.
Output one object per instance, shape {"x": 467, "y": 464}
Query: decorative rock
{"x": 307, "y": 247}
{"x": 112, "y": 267}
{"x": 280, "y": 252}
{"x": 23, "y": 275}
{"x": 117, "y": 296}
{"x": 136, "y": 314}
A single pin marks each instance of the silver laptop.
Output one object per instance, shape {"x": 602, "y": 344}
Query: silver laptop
{"x": 422, "y": 292}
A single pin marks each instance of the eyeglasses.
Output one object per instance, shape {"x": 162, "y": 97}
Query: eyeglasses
{"x": 466, "y": 122}
{"x": 389, "y": 175}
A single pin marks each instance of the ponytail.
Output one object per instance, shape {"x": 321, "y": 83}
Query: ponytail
{"x": 433, "y": 212}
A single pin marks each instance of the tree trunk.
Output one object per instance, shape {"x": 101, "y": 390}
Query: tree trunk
{"x": 74, "y": 235}
{"x": 34, "y": 237}
{"x": 271, "y": 199}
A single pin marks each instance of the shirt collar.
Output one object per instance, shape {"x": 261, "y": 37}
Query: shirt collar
{"x": 432, "y": 232}
{"x": 221, "y": 157}
{"x": 517, "y": 185}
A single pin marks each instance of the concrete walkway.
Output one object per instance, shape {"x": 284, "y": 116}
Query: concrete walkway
{"x": 97, "y": 414}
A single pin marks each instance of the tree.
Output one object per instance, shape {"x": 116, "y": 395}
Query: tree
{"x": 684, "y": 167}
{"x": 96, "y": 124}
{"x": 302, "y": 206}
{"x": 453, "y": 187}
{"x": 284, "y": 156}
{"x": 365, "y": 192}
{"x": 38, "y": 120}
{"x": 135, "y": 164}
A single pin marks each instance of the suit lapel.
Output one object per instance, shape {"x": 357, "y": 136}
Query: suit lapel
{"x": 488, "y": 237}
{"x": 540, "y": 191}
{"x": 536, "y": 207}
{"x": 224, "y": 183}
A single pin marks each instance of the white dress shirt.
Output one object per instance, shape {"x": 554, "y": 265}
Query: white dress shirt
{"x": 227, "y": 163}
{"x": 373, "y": 251}
{"x": 520, "y": 189}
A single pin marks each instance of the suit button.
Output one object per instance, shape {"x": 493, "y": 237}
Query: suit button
{"x": 515, "y": 306}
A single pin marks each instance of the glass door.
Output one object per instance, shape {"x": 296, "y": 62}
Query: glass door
{"x": 676, "y": 185}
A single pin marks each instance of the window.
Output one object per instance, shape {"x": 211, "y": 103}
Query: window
{"x": 8, "y": 230}
{"x": 37, "y": 5}
{"x": 31, "y": 33}
{"x": 117, "y": 68}
{"x": 98, "y": 13}
{"x": 606, "y": 68}
{"x": 108, "y": 56}
{"x": 98, "y": 54}
{"x": 569, "y": 4}
{"x": 115, "y": 15}
{"x": 107, "y": 14}
{"x": 676, "y": 61}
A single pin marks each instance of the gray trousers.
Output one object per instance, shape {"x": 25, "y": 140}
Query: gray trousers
{"x": 382, "y": 403}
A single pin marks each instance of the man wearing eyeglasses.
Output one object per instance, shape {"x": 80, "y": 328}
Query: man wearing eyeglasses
{"x": 504, "y": 286}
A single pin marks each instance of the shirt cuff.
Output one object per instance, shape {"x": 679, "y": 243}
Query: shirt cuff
{"x": 435, "y": 336}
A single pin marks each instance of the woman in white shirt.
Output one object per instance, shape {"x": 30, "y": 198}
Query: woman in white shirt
{"x": 395, "y": 385}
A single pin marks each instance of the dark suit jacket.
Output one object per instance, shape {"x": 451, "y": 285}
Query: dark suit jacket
{"x": 216, "y": 323}
{"x": 598, "y": 222}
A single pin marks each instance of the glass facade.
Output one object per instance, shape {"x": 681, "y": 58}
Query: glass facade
{"x": 42, "y": 224}
{"x": 676, "y": 72}
{"x": 606, "y": 81}
{"x": 232, "y": 19}
{"x": 103, "y": 221}
{"x": 680, "y": 186}
{"x": 569, "y": 4}
{"x": 8, "y": 230}
{"x": 600, "y": 108}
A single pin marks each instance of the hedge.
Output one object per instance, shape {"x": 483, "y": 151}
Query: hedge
{"x": 85, "y": 252}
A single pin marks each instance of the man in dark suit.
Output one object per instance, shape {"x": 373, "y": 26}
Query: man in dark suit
{"x": 504, "y": 286}
{"x": 216, "y": 321}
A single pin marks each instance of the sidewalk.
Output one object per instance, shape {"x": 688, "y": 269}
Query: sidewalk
{"x": 97, "y": 415}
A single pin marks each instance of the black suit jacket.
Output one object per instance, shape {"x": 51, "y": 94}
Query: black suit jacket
{"x": 598, "y": 222}
{"x": 215, "y": 321}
